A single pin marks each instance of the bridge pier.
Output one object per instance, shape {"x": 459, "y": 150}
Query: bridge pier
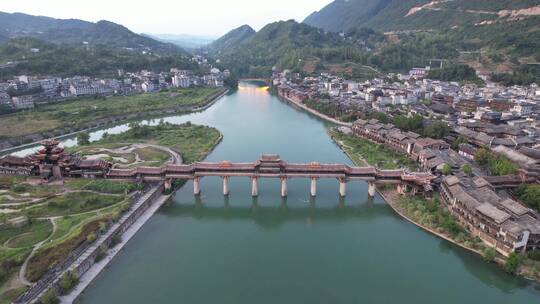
{"x": 284, "y": 187}
{"x": 167, "y": 184}
{"x": 254, "y": 187}
{"x": 313, "y": 189}
{"x": 371, "y": 189}
{"x": 197, "y": 186}
{"x": 225, "y": 185}
{"x": 342, "y": 187}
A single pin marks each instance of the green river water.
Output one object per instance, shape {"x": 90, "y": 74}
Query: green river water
{"x": 270, "y": 250}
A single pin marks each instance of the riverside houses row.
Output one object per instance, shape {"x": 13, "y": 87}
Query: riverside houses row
{"x": 408, "y": 143}
{"x": 502, "y": 223}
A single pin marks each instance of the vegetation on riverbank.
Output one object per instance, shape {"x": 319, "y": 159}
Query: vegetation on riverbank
{"x": 79, "y": 113}
{"x": 431, "y": 215}
{"x": 362, "y": 151}
{"x": 192, "y": 141}
{"x": 55, "y": 219}
{"x": 65, "y": 216}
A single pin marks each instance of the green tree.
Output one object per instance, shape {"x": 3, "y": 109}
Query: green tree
{"x": 467, "y": 169}
{"x": 437, "y": 130}
{"x": 482, "y": 157}
{"x": 513, "y": 262}
{"x": 459, "y": 140}
{"x": 489, "y": 254}
{"x": 529, "y": 194}
{"x": 83, "y": 138}
{"x": 446, "y": 170}
{"x": 49, "y": 297}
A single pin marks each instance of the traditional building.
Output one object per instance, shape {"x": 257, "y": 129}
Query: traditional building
{"x": 501, "y": 223}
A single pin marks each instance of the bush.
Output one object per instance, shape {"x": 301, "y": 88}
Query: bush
{"x": 19, "y": 188}
{"x": 49, "y": 297}
{"x": 489, "y": 254}
{"x": 91, "y": 237}
{"x": 534, "y": 255}
{"x": 115, "y": 241}
{"x": 68, "y": 281}
{"x": 102, "y": 227}
{"x": 99, "y": 256}
{"x": 83, "y": 138}
{"x": 512, "y": 263}
{"x": 467, "y": 169}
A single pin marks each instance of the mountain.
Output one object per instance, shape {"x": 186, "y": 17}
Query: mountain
{"x": 389, "y": 15}
{"x": 77, "y": 32}
{"x": 186, "y": 41}
{"x": 248, "y": 53}
{"x": 493, "y": 36}
{"x": 66, "y": 60}
{"x": 232, "y": 38}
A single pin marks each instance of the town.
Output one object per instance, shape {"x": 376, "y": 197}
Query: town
{"x": 493, "y": 120}
{"x": 26, "y": 92}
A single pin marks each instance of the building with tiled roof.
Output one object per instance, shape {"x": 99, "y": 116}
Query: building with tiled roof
{"x": 501, "y": 223}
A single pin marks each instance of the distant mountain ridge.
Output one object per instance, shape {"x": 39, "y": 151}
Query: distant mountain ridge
{"x": 252, "y": 53}
{"x": 186, "y": 41}
{"x": 391, "y": 15}
{"x": 74, "y": 31}
{"x": 232, "y": 38}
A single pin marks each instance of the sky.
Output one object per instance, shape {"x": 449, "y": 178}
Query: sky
{"x": 198, "y": 17}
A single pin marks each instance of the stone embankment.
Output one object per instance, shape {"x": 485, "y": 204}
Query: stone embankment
{"x": 82, "y": 259}
{"x": 314, "y": 112}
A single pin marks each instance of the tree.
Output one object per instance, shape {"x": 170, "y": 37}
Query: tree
{"x": 512, "y": 263}
{"x": 489, "y": 254}
{"x": 529, "y": 194}
{"x": 437, "y": 130}
{"x": 446, "y": 170}
{"x": 467, "y": 169}
{"x": 482, "y": 157}
{"x": 83, "y": 138}
{"x": 49, "y": 297}
{"x": 459, "y": 140}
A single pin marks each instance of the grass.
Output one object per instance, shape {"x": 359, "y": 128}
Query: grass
{"x": 150, "y": 154}
{"x": 430, "y": 213}
{"x": 74, "y": 114}
{"x": 73, "y": 203}
{"x": 37, "y": 231}
{"x": 193, "y": 142}
{"x": 362, "y": 150}
{"x": 79, "y": 213}
{"x": 11, "y": 294}
{"x": 102, "y": 186}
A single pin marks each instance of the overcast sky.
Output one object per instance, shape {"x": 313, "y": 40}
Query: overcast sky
{"x": 201, "y": 17}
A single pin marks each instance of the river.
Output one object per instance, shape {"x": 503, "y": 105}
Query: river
{"x": 296, "y": 250}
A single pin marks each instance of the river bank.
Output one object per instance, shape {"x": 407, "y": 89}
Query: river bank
{"x": 10, "y": 145}
{"x": 391, "y": 197}
{"x": 314, "y": 112}
{"x": 91, "y": 274}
